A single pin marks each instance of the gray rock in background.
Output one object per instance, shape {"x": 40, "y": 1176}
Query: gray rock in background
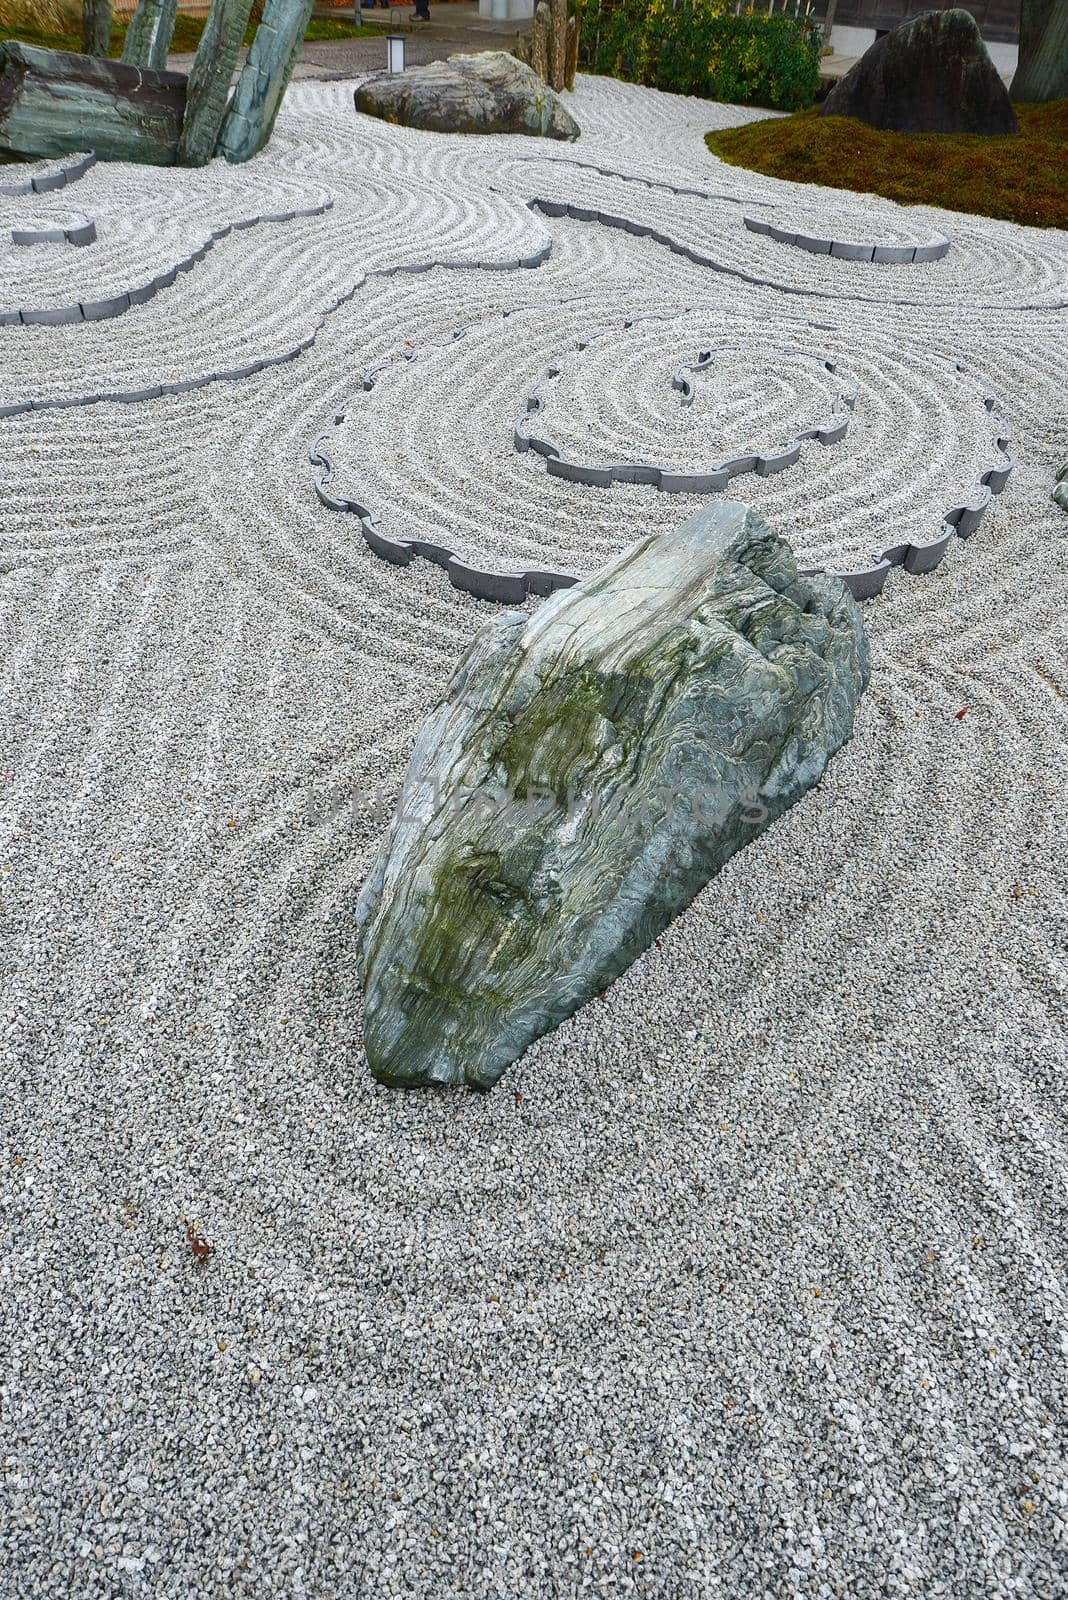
{"x": 589, "y": 769}
{"x": 933, "y": 74}
{"x": 487, "y": 93}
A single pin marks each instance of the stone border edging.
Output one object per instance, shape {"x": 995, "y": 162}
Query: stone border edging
{"x": 51, "y": 180}
{"x": 83, "y": 232}
{"x": 841, "y": 249}
{"x": 262, "y": 363}
{"x": 849, "y": 250}
{"x": 668, "y": 480}
{"x": 512, "y": 586}
{"x": 644, "y": 230}
{"x": 118, "y": 305}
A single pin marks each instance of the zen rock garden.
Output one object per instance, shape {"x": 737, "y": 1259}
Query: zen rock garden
{"x": 497, "y": 598}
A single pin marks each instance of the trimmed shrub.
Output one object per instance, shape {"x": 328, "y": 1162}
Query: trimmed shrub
{"x": 700, "y": 47}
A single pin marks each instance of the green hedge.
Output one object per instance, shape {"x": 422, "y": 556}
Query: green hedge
{"x": 700, "y": 47}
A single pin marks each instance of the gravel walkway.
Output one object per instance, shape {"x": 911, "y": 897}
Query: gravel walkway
{"x": 749, "y": 1280}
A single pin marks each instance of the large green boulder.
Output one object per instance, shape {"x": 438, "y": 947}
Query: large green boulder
{"x": 588, "y": 770}
{"x": 55, "y": 103}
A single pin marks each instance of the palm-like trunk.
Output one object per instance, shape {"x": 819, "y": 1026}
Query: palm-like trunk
{"x": 148, "y": 38}
{"x": 96, "y": 27}
{"x": 209, "y": 81}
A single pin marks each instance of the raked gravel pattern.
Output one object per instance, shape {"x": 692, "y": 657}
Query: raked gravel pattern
{"x": 749, "y": 1280}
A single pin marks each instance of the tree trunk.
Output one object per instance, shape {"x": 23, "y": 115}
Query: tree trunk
{"x": 1042, "y": 73}
{"x": 209, "y": 81}
{"x": 265, "y": 78}
{"x": 148, "y": 38}
{"x": 557, "y": 44}
{"x": 54, "y": 103}
{"x": 539, "y": 41}
{"x": 571, "y": 64}
{"x": 96, "y": 27}
{"x": 828, "y": 21}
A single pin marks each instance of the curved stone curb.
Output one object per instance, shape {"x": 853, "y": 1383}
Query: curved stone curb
{"x": 117, "y": 305}
{"x": 844, "y": 250}
{"x": 51, "y": 180}
{"x": 644, "y": 230}
{"x": 262, "y": 363}
{"x": 82, "y": 233}
{"x": 960, "y": 520}
{"x": 851, "y": 250}
{"x": 670, "y": 480}
{"x": 512, "y": 586}
{"x": 509, "y": 587}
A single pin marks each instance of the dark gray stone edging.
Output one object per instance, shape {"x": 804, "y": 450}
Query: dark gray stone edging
{"x": 666, "y": 479}
{"x": 852, "y": 250}
{"x": 117, "y": 305}
{"x": 51, "y": 180}
{"x": 843, "y": 250}
{"x": 511, "y": 586}
{"x": 82, "y": 233}
{"x": 262, "y": 363}
{"x": 645, "y": 230}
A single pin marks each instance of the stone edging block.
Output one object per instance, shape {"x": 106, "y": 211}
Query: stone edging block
{"x": 116, "y": 305}
{"x": 667, "y": 479}
{"x": 512, "y": 587}
{"x": 82, "y": 233}
{"x": 51, "y": 180}
{"x": 848, "y": 250}
{"x": 608, "y": 219}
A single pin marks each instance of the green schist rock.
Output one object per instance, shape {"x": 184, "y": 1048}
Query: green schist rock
{"x": 148, "y": 38}
{"x": 1060, "y": 493}
{"x": 263, "y": 81}
{"x": 55, "y": 103}
{"x": 589, "y": 769}
{"x": 1042, "y": 69}
{"x": 96, "y": 27}
{"x": 210, "y": 78}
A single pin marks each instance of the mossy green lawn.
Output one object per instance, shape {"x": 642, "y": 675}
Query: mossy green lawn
{"x": 1021, "y": 177}
{"x": 187, "y": 31}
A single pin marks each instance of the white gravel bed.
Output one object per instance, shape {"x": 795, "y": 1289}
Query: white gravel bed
{"x": 748, "y": 1280}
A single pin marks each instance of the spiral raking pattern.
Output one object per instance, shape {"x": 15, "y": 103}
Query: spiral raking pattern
{"x": 760, "y": 1252}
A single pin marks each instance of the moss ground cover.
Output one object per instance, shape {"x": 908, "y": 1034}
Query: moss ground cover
{"x": 1021, "y": 177}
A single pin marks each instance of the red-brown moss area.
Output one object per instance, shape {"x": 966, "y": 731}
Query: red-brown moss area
{"x": 1022, "y": 177}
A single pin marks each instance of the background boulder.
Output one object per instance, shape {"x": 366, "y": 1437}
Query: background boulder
{"x": 487, "y": 93}
{"x": 932, "y": 75}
